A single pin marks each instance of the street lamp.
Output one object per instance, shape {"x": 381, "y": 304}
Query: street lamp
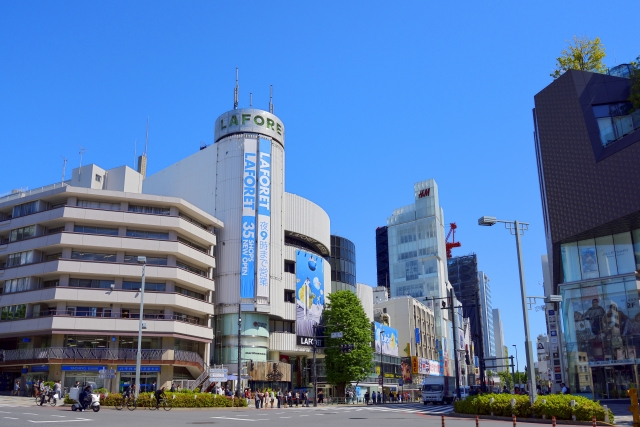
{"x": 381, "y": 382}
{"x": 141, "y": 260}
{"x": 517, "y": 228}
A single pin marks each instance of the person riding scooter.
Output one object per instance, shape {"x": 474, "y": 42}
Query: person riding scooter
{"x": 85, "y": 398}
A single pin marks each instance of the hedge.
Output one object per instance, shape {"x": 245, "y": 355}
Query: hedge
{"x": 557, "y": 405}
{"x": 181, "y": 400}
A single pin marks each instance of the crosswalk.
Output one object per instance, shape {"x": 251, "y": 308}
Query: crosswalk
{"x": 415, "y": 409}
{"x": 16, "y": 402}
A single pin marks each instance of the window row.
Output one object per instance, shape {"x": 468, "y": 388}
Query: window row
{"x": 20, "y": 258}
{"x": 128, "y": 259}
{"x": 11, "y": 312}
{"x": 615, "y": 121}
{"x": 189, "y": 293}
{"x": 22, "y": 233}
{"x": 282, "y": 326}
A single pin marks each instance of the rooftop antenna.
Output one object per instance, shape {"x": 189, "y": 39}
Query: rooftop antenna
{"x": 271, "y": 99}
{"x": 250, "y": 100}
{"x": 235, "y": 92}
{"x": 82, "y": 150}
{"x": 64, "y": 167}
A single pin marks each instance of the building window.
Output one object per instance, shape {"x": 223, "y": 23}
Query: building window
{"x": 98, "y": 178}
{"x": 17, "y": 285}
{"x": 12, "y": 312}
{"x": 191, "y": 269}
{"x": 290, "y": 296}
{"x": 149, "y": 210}
{"x": 20, "y": 258}
{"x": 90, "y": 283}
{"x": 55, "y": 230}
{"x": 25, "y": 209}
{"x": 22, "y": 233}
{"x": 148, "y": 286}
{"x": 87, "y": 229}
{"x": 615, "y": 121}
{"x": 98, "y": 205}
{"x": 289, "y": 266}
{"x": 190, "y": 293}
{"x": 148, "y": 234}
{"x": 282, "y": 326}
{"x": 193, "y": 245}
{"x": 133, "y": 259}
{"x": 86, "y": 256}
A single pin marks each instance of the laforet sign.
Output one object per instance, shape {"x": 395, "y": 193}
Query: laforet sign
{"x": 249, "y": 120}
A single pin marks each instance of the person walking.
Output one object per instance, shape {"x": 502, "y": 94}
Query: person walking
{"x": 173, "y": 387}
{"x": 57, "y": 390}
{"x": 366, "y": 398}
{"x": 272, "y": 397}
{"x": 279, "y": 397}
{"x": 320, "y": 397}
{"x": 16, "y": 388}
{"x": 153, "y": 387}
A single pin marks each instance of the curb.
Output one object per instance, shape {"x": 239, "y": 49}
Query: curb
{"x": 529, "y": 420}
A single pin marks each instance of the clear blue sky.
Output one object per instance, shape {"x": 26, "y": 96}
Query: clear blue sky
{"x": 374, "y": 95}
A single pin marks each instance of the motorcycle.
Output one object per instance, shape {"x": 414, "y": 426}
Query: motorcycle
{"x": 94, "y": 405}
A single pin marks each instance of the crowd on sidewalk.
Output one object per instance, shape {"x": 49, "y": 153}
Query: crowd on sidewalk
{"x": 263, "y": 398}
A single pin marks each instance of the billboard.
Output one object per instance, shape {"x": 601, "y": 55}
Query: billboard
{"x": 248, "y": 239}
{"x": 386, "y": 339}
{"x": 406, "y": 370}
{"x": 264, "y": 217}
{"x": 420, "y": 365}
{"x": 309, "y": 292}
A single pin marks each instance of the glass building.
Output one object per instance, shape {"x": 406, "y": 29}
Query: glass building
{"x": 343, "y": 264}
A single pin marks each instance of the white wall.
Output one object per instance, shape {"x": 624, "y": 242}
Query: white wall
{"x": 365, "y": 295}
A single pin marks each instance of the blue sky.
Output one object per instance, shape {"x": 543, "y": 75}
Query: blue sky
{"x": 374, "y": 95}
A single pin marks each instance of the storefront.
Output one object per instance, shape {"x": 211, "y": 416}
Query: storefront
{"x": 148, "y": 375}
{"x": 83, "y": 374}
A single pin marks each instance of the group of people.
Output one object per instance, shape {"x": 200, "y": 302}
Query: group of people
{"x": 383, "y": 397}
{"x": 46, "y": 393}
{"x": 264, "y": 398}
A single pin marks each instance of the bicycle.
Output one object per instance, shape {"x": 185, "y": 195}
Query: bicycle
{"x": 166, "y": 405}
{"x": 125, "y": 400}
{"x": 132, "y": 403}
{"x": 49, "y": 398}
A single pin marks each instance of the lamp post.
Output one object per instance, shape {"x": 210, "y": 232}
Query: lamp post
{"x": 517, "y": 228}
{"x": 141, "y": 260}
{"x": 517, "y": 365}
{"x": 239, "y": 349}
{"x": 381, "y": 382}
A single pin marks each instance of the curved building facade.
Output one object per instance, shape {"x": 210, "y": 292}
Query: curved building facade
{"x": 343, "y": 264}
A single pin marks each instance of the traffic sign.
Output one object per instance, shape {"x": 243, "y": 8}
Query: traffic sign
{"x": 336, "y": 334}
{"x": 380, "y": 381}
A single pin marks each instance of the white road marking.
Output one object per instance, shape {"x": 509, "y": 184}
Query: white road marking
{"x": 4, "y": 412}
{"x": 240, "y": 419}
{"x": 28, "y": 413}
{"x": 59, "y": 416}
{"x": 61, "y": 421}
{"x": 304, "y": 415}
{"x": 10, "y": 418}
{"x": 285, "y": 417}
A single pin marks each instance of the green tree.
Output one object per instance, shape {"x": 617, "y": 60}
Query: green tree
{"x": 634, "y": 97}
{"x": 506, "y": 379}
{"x": 344, "y": 313}
{"x": 583, "y": 54}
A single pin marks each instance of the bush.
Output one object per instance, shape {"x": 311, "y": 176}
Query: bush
{"x": 557, "y": 405}
{"x": 181, "y": 400}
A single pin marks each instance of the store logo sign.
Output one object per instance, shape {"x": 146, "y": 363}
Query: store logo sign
{"x": 424, "y": 193}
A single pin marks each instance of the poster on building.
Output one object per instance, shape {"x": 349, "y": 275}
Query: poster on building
{"x": 264, "y": 217}
{"x": 386, "y": 339}
{"x": 420, "y": 365}
{"x": 248, "y": 239}
{"x": 434, "y": 368}
{"x": 309, "y": 292}
{"x": 406, "y": 370}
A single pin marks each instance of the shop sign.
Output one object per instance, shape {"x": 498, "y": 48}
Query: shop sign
{"x": 554, "y": 340}
{"x": 142, "y": 368}
{"x": 556, "y": 355}
{"x": 556, "y": 362}
{"x": 554, "y": 333}
{"x": 558, "y": 377}
{"x": 552, "y": 312}
{"x": 308, "y": 341}
{"x": 556, "y": 369}
{"x": 40, "y": 368}
{"x": 82, "y": 368}
{"x": 434, "y": 368}
{"x": 613, "y": 362}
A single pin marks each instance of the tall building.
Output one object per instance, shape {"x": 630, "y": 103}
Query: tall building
{"x": 587, "y": 150}
{"x": 343, "y": 264}
{"x": 382, "y": 257}
{"x": 417, "y": 260}
{"x": 487, "y": 314}
{"x": 498, "y": 336}
{"x": 222, "y": 239}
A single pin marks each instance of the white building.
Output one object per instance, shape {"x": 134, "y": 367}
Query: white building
{"x": 365, "y": 295}
{"x": 498, "y": 335}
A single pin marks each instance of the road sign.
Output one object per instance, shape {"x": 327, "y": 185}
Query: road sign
{"x": 400, "y": 382}
{"x": 336, "y": 334}
{"x": 218, "y": 374}
{"x": 380, "y": 381}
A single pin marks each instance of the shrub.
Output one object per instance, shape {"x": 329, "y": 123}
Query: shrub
{"x": 181, "y": 400}
{"x": 557, "y": 405}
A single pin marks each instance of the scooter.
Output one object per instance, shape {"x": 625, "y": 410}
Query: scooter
{"x": 95, "y": 404}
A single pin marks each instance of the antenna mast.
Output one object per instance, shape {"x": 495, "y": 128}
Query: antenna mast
{"x": 64, "y": 167}
{"x": 271, "y": 99}
{"x": 82, "y": 150}
{"x": 235, "y": 92}
{"x": 250, "y": 100}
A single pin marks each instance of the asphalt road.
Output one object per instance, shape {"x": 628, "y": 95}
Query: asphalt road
{"x": 20, "y": 412}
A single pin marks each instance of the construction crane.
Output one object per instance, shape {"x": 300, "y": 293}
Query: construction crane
{"x": 451, "y": 244}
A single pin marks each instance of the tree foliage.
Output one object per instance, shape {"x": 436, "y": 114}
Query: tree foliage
{"x": 506, "y": 379}
{"x": 344, "y": 313}
{"x": 634, "y": 97}
{"x": 583, "y": 54}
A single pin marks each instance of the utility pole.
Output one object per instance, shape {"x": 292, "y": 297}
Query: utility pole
{"x": 315, "y": 374}
{"x": 480, "y": 341}
{"x": 239, "y": 349}
{"x": 455, "y": 345}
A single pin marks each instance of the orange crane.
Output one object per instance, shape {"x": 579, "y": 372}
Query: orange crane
{"x": 453, "y": 243}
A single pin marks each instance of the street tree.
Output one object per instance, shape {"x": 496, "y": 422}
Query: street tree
{"x": 344, "y": 313}
{"x": 583, "y": 54}
{"x": 634, "y": 96}
{"x": 506, "y": 379}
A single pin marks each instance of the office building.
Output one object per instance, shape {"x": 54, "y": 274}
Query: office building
{"x": 586, "y": 141}
{"x": 382, "y": 257}
{"x": 343, "y": 264}
{"x": 487, "y": 315}
{"x": 498, "y": 336}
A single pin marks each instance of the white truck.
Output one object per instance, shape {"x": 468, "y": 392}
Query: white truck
{"x": 438, "y": 390}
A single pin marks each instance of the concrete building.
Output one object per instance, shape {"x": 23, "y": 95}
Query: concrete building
{"x": 365, "y": 295}
{"x": 343, "y": 264}
{"x": 586, "y": 142}
{"x": 71, "y": 279}
{"x": 380, "y": 294}
{"x": 498, "y": 335}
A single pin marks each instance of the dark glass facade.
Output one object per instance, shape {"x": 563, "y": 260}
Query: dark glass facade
{"x": 382, "y": 257}
{"x": 343, "y": 264}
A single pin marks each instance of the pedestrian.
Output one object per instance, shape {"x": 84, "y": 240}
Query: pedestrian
{"x": 173, "y": 387}
{"x": 256, "y": 399}
{"x": 44, "y": 390}
{"x": 373, "y": 397}
{"x": 57, "y": 389}
{"x": 279, "y": 397}
{"x": 16, "y": 388}
{"x": 272, "y": 397}
{"x": 153, "y": 387}
{"x": 320, "y": 396}
{"x": 379, "y": 397}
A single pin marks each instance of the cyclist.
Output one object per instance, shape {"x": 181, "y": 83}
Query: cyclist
{"x": 159, "y": 394}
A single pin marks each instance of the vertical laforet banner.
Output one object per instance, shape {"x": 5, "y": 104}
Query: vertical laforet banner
{"x": 248, "y": 239}
{"x": 309, "y": 292}
{"x": 264, "y": 217}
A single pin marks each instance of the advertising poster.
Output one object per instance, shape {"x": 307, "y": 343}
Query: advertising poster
{"x": 264, "y": 217}
{"x": 406, "y": 370}
{"x": 248, "y": 240}
{"x": 588, "y": 262}
{"x": 434, "y": 368}
{"x": 386, "y": 338}
{"x": 309, "y": 292}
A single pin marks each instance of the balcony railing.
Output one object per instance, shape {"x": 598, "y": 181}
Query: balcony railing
{"x": 123, "y": 355}
{"x": 133, "y": 316}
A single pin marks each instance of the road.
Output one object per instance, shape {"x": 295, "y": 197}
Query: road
{"x": 20, "y": 412}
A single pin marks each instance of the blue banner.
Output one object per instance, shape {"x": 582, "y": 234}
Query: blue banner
{"x": 309, "y": 292}
{"x": 248, "y": 241}
{"x": 142, "y": 368}
{"x": 81, "y": 368}
{"x": 264, "y": 217}
{"x": 40, "y": 368}
{"x": 417, "y": 335}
